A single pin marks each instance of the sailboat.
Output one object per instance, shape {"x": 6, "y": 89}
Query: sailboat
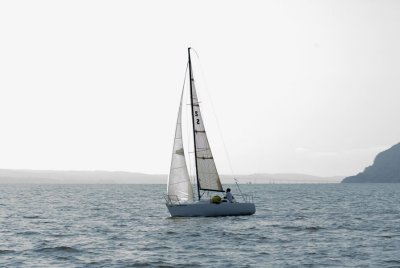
{"x": 180, "y": 199}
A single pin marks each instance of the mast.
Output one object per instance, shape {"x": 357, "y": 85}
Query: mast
{"x": 194, "y": 133}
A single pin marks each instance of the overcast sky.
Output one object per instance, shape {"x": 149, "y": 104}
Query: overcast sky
{"x": 297, "y": 86}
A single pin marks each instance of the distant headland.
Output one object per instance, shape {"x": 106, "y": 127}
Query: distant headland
{"x": 385, "y": 169}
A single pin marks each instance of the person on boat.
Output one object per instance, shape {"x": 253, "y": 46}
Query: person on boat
{"x": 229, "y": 195}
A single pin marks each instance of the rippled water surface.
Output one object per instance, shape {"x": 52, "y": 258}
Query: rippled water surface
{"x": 337, "y": 225}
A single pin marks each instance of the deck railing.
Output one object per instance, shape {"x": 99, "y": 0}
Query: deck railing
{"x": 245, "y": 198}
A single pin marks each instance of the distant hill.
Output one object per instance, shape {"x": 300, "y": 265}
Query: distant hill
{"x": 119, "y": 177}
{"x": 386, "y": 168}
{"x": 77, "y": 177}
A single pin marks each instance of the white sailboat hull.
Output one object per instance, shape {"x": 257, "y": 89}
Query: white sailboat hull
{"x": 207, "y": 209}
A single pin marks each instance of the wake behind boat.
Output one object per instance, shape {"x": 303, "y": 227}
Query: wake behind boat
{"x": 180, "y": 199}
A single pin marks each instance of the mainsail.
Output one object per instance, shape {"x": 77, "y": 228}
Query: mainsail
{"x": 207, "y": 175}
{"x": 179, "y": 187}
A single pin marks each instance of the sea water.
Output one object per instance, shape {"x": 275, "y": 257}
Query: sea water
{"x": 331, "y": 225}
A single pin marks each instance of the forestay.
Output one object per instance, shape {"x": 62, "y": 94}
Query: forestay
{"x": 179, "y": 187}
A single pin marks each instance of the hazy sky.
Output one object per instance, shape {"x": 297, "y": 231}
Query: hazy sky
{"x": 297, "y": 86}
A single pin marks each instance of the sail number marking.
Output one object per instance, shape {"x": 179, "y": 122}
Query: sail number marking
{"x": 196, "y": 113}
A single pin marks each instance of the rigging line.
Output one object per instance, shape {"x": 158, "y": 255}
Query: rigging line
{"x": 191, "y": 176}
{"x": 179, "y": 115}
{"x": 184, "y": 79}
{"x": 193, "y": 94}
{"x": 215, "y": 115}
{"x": 183, "y": 90}
{"x": 218, "y": 125}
